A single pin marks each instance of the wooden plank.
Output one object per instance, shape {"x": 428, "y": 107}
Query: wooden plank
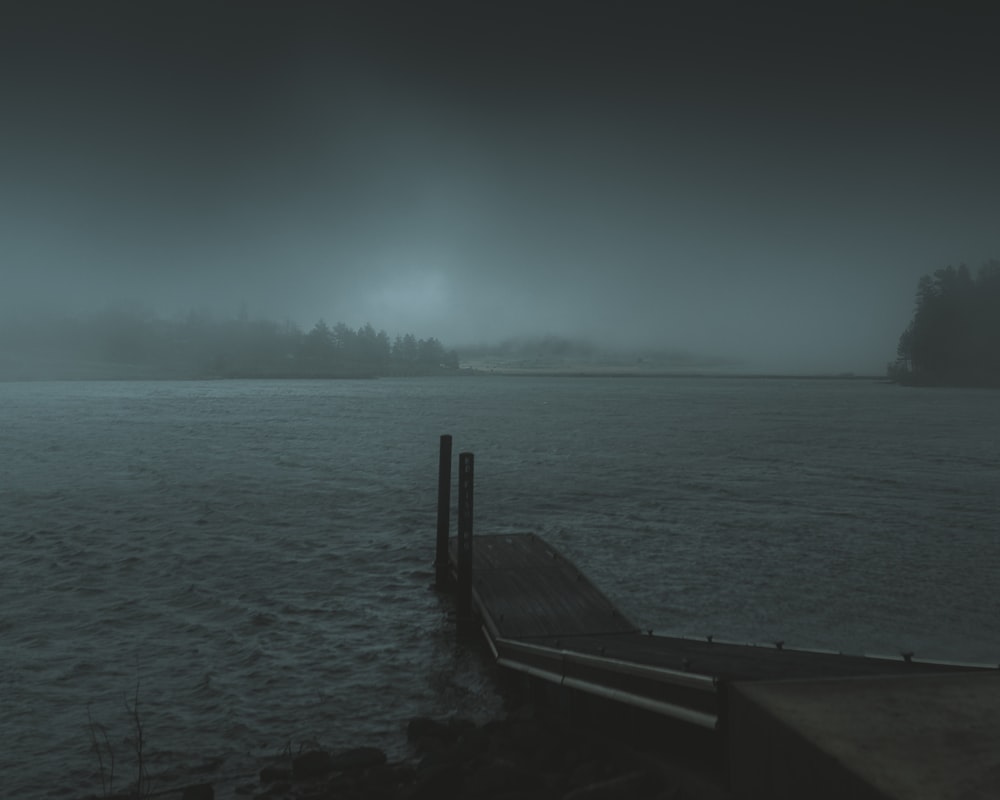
{"x": 528, "y": 589}
{"x": 514, "y": 551}
{"x": 546, "y": 602}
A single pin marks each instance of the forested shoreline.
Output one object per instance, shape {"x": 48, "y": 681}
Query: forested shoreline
{"x": 118, "y": 343}
{"x": 953, "y": 338}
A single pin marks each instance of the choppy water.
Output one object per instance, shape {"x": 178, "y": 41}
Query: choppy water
{"x": 257, "y": 555}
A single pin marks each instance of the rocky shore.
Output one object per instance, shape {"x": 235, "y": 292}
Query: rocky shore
{"x": 523, "y": 757}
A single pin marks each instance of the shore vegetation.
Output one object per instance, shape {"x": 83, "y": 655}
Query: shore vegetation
{"x": 953, "y": 338}
{"x": 120, "y": 343}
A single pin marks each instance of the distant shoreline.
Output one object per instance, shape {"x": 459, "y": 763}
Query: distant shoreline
{"x": 612, "y": 372}
{"x": 110, "y": 374}
{"x": 28, "y": 370}
{"x": 499, "y": 372}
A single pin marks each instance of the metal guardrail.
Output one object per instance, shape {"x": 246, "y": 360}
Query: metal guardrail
{"x": 685, "y": 696}
{"x": 682, "y": 696}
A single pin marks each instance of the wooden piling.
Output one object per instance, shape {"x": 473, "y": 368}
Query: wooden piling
{"x": 463, "y": 600}
{"x": 443, "y": 513}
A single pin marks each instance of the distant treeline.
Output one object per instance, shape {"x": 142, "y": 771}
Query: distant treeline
{"x": 126, "y": 343}
{"x": 954, "y": 336}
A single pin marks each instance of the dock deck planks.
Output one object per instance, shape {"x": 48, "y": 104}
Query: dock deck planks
{"x": 527, "y": 591}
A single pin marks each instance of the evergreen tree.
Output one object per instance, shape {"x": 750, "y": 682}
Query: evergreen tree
{"x": 954, "y": 336}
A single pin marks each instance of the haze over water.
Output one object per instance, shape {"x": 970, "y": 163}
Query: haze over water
{"x": 763, "y": 183}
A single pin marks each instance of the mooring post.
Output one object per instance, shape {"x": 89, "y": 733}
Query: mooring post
{"x": 444, "y": 510}
{"x": 463, "y": 601}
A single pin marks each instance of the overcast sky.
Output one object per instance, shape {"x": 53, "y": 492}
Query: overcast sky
{"x": 741, "y": 180}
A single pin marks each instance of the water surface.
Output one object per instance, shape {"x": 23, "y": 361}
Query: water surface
{"x": 256, "y": 555}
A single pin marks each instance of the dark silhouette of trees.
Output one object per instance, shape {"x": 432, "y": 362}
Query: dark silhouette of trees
{"x": 404, "y": 349}
{"x": 130, "y": 343}
{"x": 318, "y": 343}
{"x": 954, "y": 336}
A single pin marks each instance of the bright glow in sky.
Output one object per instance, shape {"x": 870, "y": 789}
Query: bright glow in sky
{"x": 750, "y": 180}
{"x": 408, "y": 296}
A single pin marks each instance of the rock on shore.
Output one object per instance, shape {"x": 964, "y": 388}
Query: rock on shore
{"x": 521, "y": 756}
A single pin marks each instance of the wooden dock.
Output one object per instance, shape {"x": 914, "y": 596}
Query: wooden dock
{"x": 543, "y": 618}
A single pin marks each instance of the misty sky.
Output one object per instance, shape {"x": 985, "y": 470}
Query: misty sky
{"x": 744, "y": 180}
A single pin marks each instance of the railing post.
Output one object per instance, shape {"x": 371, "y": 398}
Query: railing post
{"x": 463, "y": 600}
{"x": 443, "y": 512}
